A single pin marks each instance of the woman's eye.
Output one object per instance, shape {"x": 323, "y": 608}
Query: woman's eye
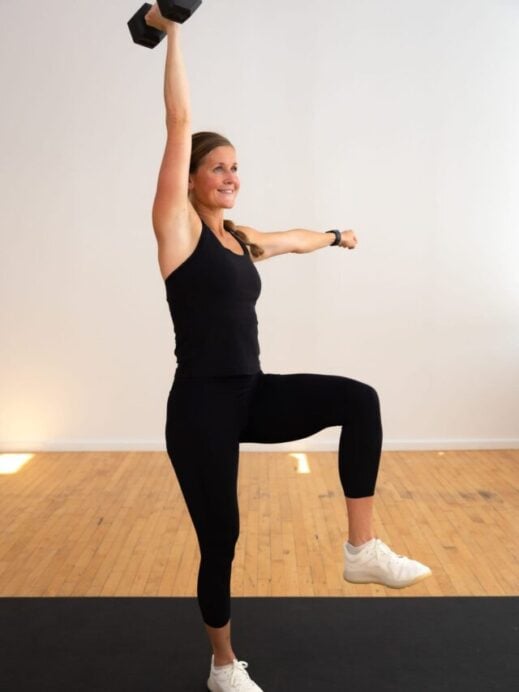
{"x": 220, "y": 168}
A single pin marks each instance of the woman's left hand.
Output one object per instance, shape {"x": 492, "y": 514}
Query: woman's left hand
{"x": 348, "y": 239}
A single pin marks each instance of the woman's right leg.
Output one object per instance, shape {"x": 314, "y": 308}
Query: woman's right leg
{"x": 202, "y": 442}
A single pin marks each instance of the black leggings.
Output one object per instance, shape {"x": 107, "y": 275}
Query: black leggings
{"x": 207, "y": 419}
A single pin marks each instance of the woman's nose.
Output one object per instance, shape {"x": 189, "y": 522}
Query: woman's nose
{"x": 231, "y": 177}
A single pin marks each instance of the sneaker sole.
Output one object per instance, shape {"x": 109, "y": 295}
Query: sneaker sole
{"x": 214, "y": 686}
{"x": 390, "y": 586}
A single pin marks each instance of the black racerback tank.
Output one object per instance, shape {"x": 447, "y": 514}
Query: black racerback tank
{"x": 212, "y": 297}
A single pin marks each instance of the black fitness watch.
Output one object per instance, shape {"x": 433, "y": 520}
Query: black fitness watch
{"x": 338, "y": 237}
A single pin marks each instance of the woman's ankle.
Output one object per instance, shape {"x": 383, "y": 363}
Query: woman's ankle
{"x": 220, "y": 638}
{"x": 361, "y": 539}
{"x": 221, "y": 660}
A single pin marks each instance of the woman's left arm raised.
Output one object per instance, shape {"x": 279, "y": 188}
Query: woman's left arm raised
{"x": 297, "y": 240}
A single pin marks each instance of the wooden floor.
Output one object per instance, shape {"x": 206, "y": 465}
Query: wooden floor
{"x": 115, "y": 524}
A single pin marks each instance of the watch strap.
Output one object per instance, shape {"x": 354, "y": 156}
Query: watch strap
{"x": 338, "y": 236}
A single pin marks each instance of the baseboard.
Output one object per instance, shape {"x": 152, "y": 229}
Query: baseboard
{"x": 311, "y": 444}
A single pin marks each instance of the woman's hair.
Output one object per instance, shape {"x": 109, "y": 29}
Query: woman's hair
{"x": 202, "y": 143}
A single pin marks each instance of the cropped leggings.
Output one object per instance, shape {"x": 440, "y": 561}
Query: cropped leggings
{"x": 208, "y": 417}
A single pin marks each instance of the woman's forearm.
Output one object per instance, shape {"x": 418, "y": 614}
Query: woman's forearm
{"x": 176, "y": 88}
{"x": 308, "y": 241}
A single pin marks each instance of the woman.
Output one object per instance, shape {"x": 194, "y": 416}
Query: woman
{"x": 220, "y": 396}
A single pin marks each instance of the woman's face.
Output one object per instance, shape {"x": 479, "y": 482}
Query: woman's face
{"x": 215, "y": 183}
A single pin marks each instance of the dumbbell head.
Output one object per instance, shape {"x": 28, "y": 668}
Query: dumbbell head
{"x": 141, "y": 33}
{"x": 178, "y": 10}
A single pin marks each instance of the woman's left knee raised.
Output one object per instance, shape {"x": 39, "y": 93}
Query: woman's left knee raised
{"x": 368, "y": 399}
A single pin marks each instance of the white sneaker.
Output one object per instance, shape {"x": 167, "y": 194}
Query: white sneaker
{"x": 377, "y": 563}
{"x": 231, "y": 678}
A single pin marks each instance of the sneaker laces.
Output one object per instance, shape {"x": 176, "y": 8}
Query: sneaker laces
{"x": 239, "y": 673}
{"x": 382, "y": 550}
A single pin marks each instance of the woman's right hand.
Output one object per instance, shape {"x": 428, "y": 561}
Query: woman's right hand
{"x": 155, "y": 19}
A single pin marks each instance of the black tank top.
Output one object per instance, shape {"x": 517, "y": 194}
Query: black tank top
{"x": 212, "y": 297}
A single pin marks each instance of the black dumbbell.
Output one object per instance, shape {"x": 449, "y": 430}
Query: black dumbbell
{"x": 177, "y": 10}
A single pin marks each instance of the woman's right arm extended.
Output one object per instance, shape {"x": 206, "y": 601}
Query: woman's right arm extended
{"x": 174, "y": 220}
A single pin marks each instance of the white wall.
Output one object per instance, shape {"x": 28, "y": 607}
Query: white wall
{"x": 398, "y": 119}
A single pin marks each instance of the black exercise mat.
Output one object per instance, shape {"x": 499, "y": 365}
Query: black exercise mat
{"x": 292, "y": 644}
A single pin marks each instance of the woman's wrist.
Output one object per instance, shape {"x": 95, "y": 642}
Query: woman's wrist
{"x": 172, "y": 28}
{"x": 337, "y": 235}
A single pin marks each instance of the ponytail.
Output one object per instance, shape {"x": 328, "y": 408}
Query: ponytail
{"x": 256, "y": 250}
